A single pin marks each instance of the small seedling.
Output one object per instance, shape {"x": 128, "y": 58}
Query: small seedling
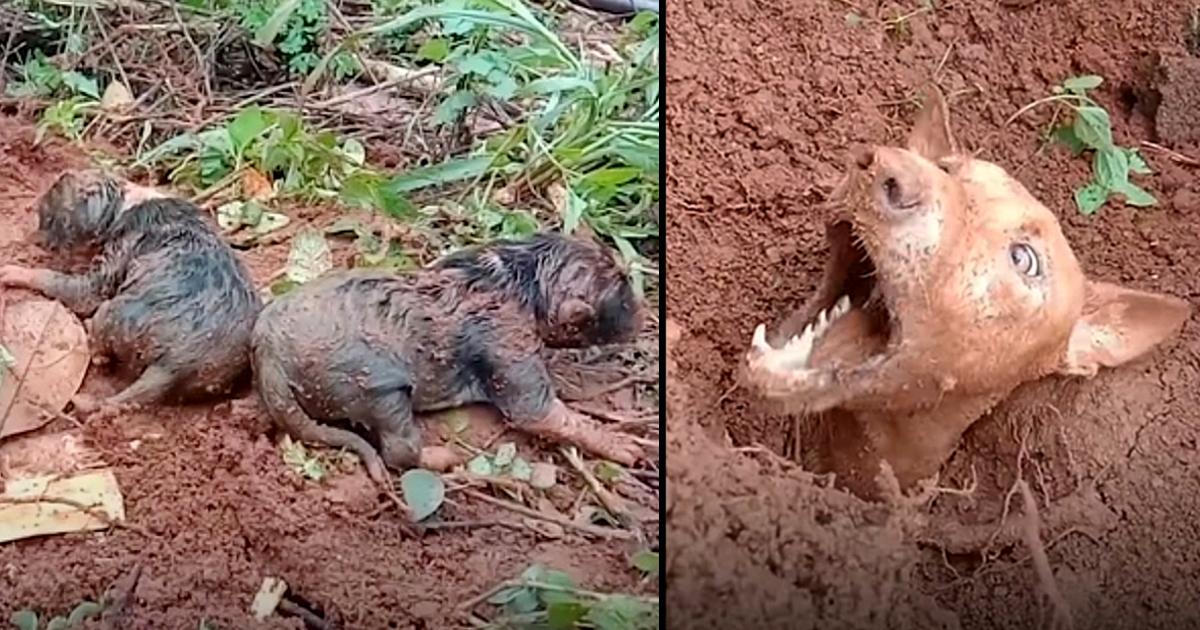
{"x": 504, "y": 463}
{"x": 1089, "y": 128}
{"x": 306, "y": 464}
{"x": 543, "y": 598}
{"x": 28, "y": 619}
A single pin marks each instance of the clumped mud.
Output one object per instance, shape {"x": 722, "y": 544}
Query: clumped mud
{"x": 765, "y": 102}
{"x": 212, "y": 509}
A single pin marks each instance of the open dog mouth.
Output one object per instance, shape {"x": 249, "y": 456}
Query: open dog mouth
{"x": 849, "y": 320}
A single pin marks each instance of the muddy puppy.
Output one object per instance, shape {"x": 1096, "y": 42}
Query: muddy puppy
{"x": 372, "y": 347}
{"x": 168, "y": 298}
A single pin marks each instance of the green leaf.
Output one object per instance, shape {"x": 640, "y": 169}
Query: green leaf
{"x": 576, "y": 208}
{"x": 81, "y": 84}
{"x": 1135, "y": 195}
{"x": 435, "y": 49}
{"x": 270, "y": 30}
{"x": 1093, "y": 127}
{"x": 1066, "y": 135}
{"x": 525, "y": 602}
{"x": 57, "y": 623}
{"x": 1089, "y": 198}
{"x": 646, "y": 562}
{"x": 247, "y": 126}
{"x": 608, "y": 471}
{"x": 565, "y": 615}
{"x": 450, "y": 108}
{"x": 423, "y": 492}
{"x": 1082, "y": 83}
{"x": 1111, "y": 167}
{"x": 84, "y": 610}
{"x": 1136, "y": 163}
{"x": 309, "y": 257}
{"x": 354, "y": 151}
{"x": 553, "y": 85}
{"x": 24, "y": 620}
{"x": 450, "y": 171}
{"x": 520, "y": 469}
{"x": 481, "y": 465}
{"x": 611, "y": 176}
{"x": 505, "y": 454}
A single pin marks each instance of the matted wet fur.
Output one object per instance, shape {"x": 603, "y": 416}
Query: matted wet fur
{"x": 168, "y": 298}
{"x": 947, "y": 286}
{"x": 371, "y": 347}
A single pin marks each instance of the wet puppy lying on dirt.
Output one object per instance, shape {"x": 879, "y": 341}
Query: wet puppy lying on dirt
{"x": 948, "y": 285}
{"x": 373, "y": 347}
{"x": 168, "y": 298}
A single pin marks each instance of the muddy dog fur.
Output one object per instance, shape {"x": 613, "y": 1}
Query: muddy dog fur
{"x": 168, "y": 298}
{"x": 372, "y": 347}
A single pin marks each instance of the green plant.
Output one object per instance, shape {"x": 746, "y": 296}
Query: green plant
{"x": 295, "y": 28}
{"x": 591, "y": 130}
{"x": 547, "y": 598}
{"x": 28, "y": 619}
{"x": 1089, "y": 128}
{"x": 306, "y": 164}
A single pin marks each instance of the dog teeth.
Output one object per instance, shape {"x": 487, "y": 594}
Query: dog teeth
{"x": 759, "y": 342}
{"x": 799, "y": 348}
{"x": 842, "y": 307}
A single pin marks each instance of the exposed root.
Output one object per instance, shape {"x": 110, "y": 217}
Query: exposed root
{"x": 1062, "y": 618}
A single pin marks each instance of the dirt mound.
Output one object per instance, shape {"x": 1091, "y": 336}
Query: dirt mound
{"x": 765, "y": 100}
{"x": 814, "y": 557}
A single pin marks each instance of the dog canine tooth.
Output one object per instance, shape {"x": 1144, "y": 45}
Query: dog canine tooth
{"x": 759, "y": 341}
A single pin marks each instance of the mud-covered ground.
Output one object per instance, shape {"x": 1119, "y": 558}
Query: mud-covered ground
{"x": 212, "y": 508}
{"x": 764, "y": 101}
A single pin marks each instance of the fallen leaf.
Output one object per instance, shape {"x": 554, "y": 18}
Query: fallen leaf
{"x": 47, "y": 345}
{"x": 40, "y": 515}
{"x": 423, "y": 492}
{"x": 256, "y": 186}
{"x": 309, "y": 258}
{"x": 505, "y": 454}
{"x": 267, "y": 599}
{"x": 481, "y": 465}
{"x": 116, "y": 97}
{"x": 543, "y": 476}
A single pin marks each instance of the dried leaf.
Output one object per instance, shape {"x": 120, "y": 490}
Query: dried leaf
{"x": 116, "y": 97}
{"x": 47, "y": 345}
{"x": 256, "y": 185}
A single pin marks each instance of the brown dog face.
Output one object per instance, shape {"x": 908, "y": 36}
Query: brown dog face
{"x": 947, "y": 277}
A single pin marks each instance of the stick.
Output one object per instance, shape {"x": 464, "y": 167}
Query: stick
{"x": 613, "y": 503}
{"x": 593, "y": 530}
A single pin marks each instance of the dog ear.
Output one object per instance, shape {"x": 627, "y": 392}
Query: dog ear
{"x": 1118, "y": 325}
{"x": 931, "y": 136}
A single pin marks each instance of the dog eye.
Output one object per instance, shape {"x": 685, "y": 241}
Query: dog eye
{"x": 1025, "y": 259}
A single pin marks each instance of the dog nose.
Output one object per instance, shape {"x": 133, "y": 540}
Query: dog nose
{"x": 899, "y": 180}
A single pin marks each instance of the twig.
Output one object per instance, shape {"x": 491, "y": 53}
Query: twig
{"x": 310, "y": 619}
{"x": 118, "y": 598}
{"x": 613, "y": 503}
{"x": 593, "y": 530}
{"x": 1174, "y": 156}
{"x": 91, "y": 510}
{"x": 1041, "y": 564}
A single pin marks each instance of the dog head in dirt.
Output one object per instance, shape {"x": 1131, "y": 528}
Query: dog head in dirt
{"x": 81, "y": 207}
{"x": 946, "y": 277}
{"x": 574, "y": 287}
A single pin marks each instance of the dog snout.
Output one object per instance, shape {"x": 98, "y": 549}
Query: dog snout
{"x": 899, "y": 180}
